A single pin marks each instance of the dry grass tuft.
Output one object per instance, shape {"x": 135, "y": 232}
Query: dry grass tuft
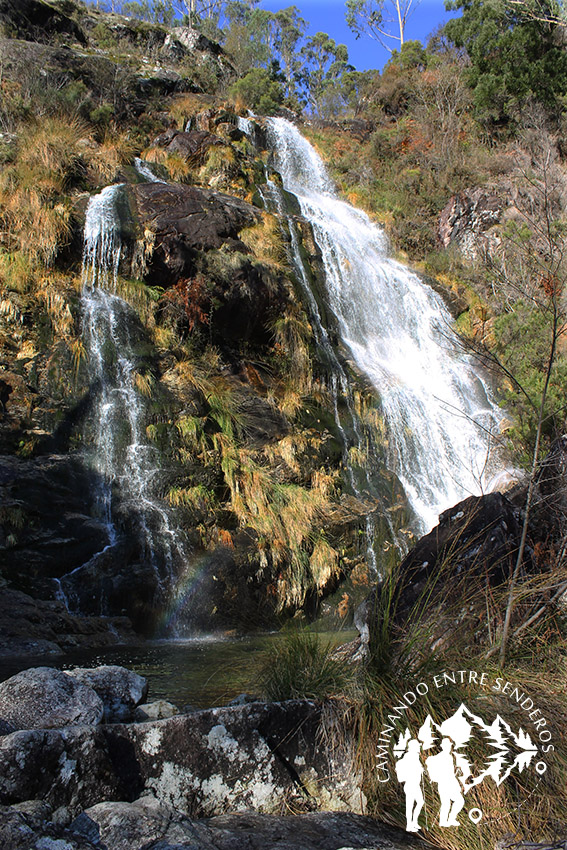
{"x": 179, "y": 169}
{"x": 425, "y": 645}
{"x": 265, "y": 241}
{"x": 105, "y": 160}
{"x": 184, "y": 106}
{"x": 35, "y": 218}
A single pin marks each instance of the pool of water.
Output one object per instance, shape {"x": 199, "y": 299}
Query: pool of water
{"x": 200, "y": 672}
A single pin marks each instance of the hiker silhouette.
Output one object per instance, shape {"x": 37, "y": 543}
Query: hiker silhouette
{"x": 409, "y": 771}
{"x": 441, "y": 770}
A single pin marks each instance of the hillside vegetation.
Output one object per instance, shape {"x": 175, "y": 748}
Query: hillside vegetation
{"x": 457, "y": 148}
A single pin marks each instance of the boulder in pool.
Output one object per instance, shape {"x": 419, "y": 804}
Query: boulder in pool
{"x": 120, "y": 689}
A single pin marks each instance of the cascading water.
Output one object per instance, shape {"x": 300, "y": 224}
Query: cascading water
{"x": 339, "y": 385}
{"x": 145, "y": 171}
{"x": 440, "y": 416}
{"x": 126, "y": 465}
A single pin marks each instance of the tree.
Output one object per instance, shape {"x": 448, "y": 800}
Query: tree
{"x": 247, "y": 35}
{"x": 261, "y": 91}
{"x": 290, "y": 30}
{"x": 544, "y": 12}
{"x": 441, "y": 103}
{"x": 325, "y": 63}
{"x": 512, "y": 60}
{"x": 383, "y": 20}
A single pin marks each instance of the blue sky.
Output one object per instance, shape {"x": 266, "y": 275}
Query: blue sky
{"x": 364, "y": 53}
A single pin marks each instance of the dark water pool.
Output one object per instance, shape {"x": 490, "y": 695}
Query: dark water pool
{"x": 200, "y": 672}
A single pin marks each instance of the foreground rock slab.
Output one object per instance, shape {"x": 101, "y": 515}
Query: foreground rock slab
{"x": 259, "y": 756}
{"x": 148, "y": 825}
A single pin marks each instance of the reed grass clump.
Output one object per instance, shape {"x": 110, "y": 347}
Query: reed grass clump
{"x": 35, "y": 217}
{"x": 300, "y": 665}
{"x": 437, "y": 633}
{"x": 281, "y": 513}
{"x": 179, "y": 169}
{"x": 265, "y": 241}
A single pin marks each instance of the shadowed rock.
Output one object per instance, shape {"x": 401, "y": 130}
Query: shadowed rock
{"x": 183, "y": 220}
{"x": 35, "y": 20}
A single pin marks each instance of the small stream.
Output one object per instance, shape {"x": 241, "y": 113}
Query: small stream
{"x": 200, "y": 673}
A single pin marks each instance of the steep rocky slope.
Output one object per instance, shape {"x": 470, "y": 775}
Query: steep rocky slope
{"x": 237, "y": 408}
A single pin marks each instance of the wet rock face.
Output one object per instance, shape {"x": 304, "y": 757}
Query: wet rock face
{"x": 48, "y": 529}
{"x": 48, "y": 533}
{"x": 43, "y": 698}
{"x": 183, "y": 220}
{"x": 465, "y": 220}
{"x": 36, "y": 628}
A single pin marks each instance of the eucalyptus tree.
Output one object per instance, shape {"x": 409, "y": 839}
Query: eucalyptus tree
{"x": 290, "y": 30}
{"x": 383, "y": 20}
{"x": 325, "y": 62}
{"x": 514, "y": 58}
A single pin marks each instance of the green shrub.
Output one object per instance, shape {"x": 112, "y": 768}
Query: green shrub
{"x": 259, "y": 91}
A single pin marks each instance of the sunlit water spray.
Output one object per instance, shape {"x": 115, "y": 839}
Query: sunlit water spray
{"x": 440, "y": 415}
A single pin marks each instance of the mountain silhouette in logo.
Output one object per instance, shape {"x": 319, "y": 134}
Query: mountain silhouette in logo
{"x": 470, "y": 734}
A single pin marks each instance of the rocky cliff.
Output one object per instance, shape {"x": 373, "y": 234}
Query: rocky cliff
{"x": 235, "y": 396}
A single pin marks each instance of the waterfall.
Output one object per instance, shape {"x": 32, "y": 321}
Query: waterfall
{"x": 363, "y": 483}
{"x": 244, "y": 124}
{"x": 144, "y": 170}
{"x": 126, "y": 465}
{"x": 439, "y": 412}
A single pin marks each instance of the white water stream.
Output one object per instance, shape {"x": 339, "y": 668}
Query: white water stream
{"x": 126, "y": 465}
{"x": 440, "y": 415}
{"x": 145, "y": 171}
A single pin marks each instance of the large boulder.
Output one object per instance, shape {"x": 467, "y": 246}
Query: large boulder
{"x": 474, "y": 543}
{"x": 43, "y": 698}
{"x": 192, "y": 145}
{"x": 120, "y": 689}
{"x": 209, "y": 762}
{"x": 69, "y": 767}
{"x": 192, "y": 39}
{"x": 180, "y": 220}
